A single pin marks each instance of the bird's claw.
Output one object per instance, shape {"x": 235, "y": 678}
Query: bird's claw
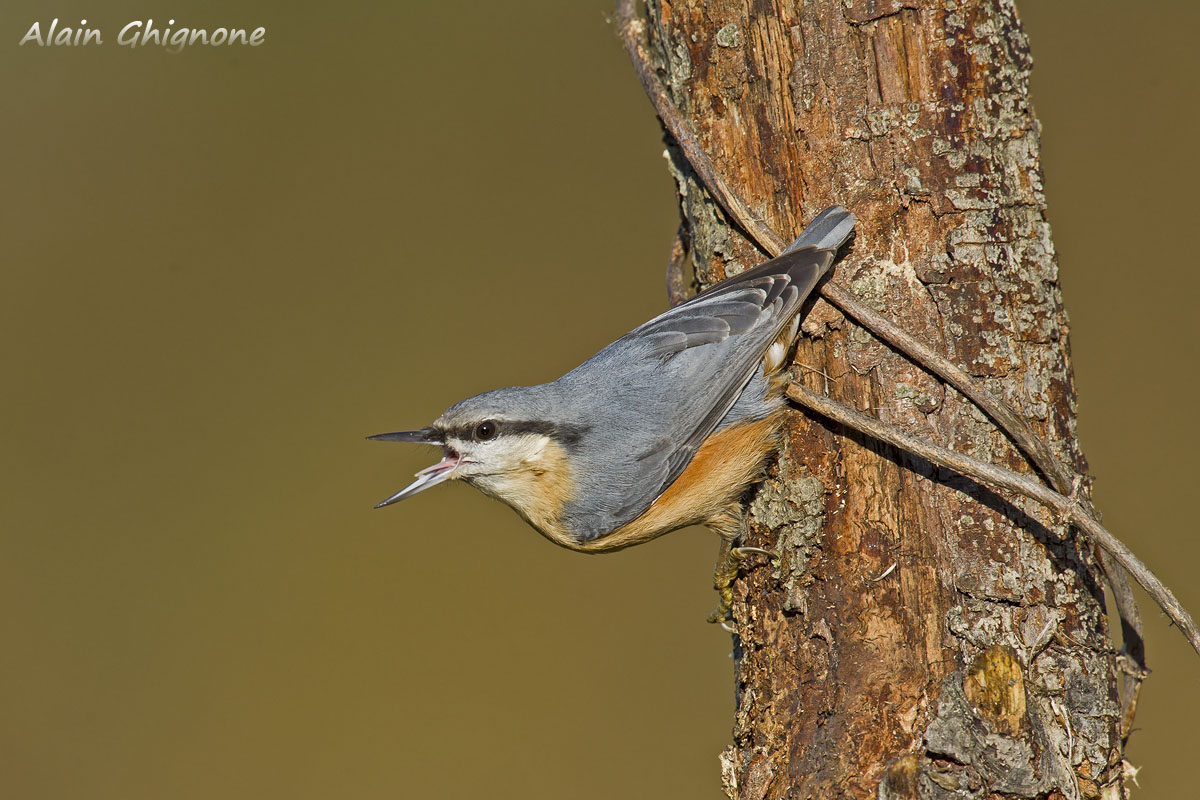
{"x": 728, "y": 565}
{"x": 744, "y": 552}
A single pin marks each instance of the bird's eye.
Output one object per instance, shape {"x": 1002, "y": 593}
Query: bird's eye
{"x": 485, "y": 431}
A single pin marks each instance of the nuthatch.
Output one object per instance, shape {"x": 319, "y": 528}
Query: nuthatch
{"x": 664, "y": 428}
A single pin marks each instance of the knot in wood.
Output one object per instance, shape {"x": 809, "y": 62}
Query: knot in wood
{"x": 995, "y": 688}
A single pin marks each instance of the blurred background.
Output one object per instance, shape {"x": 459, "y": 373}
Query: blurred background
{"x": 223, "y": 268}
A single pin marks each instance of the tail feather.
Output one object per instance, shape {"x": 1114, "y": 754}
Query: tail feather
{"x": 829, "y": 230}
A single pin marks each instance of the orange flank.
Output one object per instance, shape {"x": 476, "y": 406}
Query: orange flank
{"x": 708, "y": 492}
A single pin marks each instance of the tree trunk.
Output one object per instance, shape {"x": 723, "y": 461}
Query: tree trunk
{"x": 921, "y": 636}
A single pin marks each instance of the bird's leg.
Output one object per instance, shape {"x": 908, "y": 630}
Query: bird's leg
{"x": 730, "y": 527}
{"x": 724, "y": 575}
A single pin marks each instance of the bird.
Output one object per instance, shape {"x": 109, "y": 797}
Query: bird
{"x": 665, "y": 428}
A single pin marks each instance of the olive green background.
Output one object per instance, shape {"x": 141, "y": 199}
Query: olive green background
{"x": 221, "y": 269}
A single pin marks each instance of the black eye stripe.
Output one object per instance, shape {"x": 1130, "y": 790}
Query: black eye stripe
{"x": 568, "y": 435}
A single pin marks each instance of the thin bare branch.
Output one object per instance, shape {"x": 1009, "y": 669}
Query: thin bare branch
{"x": 999, "y": 478}
{"x": 633, "y": 32}
{"x": 1035, "y": 450}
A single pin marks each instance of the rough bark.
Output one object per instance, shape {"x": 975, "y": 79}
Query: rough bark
{"x": 921, "y": 636}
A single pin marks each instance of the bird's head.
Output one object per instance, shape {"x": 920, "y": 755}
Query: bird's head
{"x": 508, "y": 443}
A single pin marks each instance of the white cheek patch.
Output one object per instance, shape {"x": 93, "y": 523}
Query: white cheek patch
{"x": 504, "y": 467}
{"x": 524, "y": 450}
{"x": 505, "y": 453}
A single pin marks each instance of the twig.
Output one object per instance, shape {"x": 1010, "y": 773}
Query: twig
{"x": 1134, "y": 671}
{"x": 1000, "y": 478}
{"x": 632, "y": 31}
{"x": 1008, "y": 421}
{"x": 1034, "y": 449}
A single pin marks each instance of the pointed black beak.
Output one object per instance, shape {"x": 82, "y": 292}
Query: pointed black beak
{"x": 423, "y": 436}
{"x": 442, "y": 471}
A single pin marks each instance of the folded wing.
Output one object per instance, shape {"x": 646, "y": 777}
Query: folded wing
{"x": 658, "y": 392}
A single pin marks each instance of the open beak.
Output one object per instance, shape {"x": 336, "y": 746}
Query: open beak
{"x": 430, "y": 476}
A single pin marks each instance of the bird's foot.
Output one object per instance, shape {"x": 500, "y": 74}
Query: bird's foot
{"x": 729, "y": 563}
